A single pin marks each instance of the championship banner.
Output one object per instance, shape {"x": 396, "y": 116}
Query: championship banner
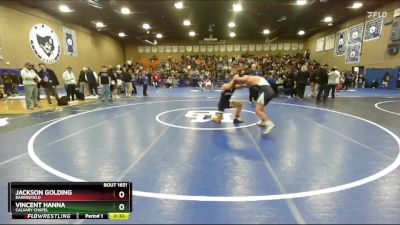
{"x": 320, "y": 44}
{"x": 244, "y": 47}
{"x": 154, "y": 49}
{"x": 340, "y": 43}
{"x": 69, "y": 37}
{"x": 295, "y": 46}
{"x": 216, "y": 48}
{"x": 196, "y": 48}
{"x": 189, "y": 48}
{"x": 274, "y": 47}
{"x": 286, "y": 46}
{"x": 147, "y": 49}
{"x": 252, "y": 47}
{"x": 266, "y": 47}
{"x": 168, "y": 48}
{"x": 301, "y": 46}
{"x": 236, "y": 48}
{"x": 280, "y": 46}
{"x": 229, "y": 48}
{"x": 210, "y": 48}
{"x": 259, "y": 47}
{"x": 373, "y": 29}
{"x": 181, "y": 48}
{"x": 175, "y": 49}
{"x": 329, "y": 42}
{"x": 161, "y": 48}
{"x": 222, "y": 48}
{"x": 140, "y": 49}
{"x": 355, "y": 34}
{"x": 353, "y": 53}
{"x": 203, "y": 48}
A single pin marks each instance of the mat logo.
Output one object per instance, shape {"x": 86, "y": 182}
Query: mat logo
{"x": 3, "y": 122}
{"x": 201, "y": 116}
{"x": 45, "y": 43}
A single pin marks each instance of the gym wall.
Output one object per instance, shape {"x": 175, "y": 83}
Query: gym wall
{"x": 374, "y": 53}
{"x": 131, "y": 49}
{"x": 16, "y": 21}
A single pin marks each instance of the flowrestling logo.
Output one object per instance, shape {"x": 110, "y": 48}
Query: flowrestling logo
{"x": 45, "y": 43}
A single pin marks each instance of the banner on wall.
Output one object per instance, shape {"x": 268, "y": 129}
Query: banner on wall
{"x": 266, "y": 47}
{"x": 229, "y": 48}
{"x": 222, "y": 48}
{"x": 147, "y": 49}
{"x": 280, "y": 46}
{"x": 286, "y": 46}
{"x": 274, "y": 47}
{"x": 181, "y": 48}
{"x": 196, "y": 48}
{"x": 69, "y": 38}
{"x": 259, "y": 47}
{"x": 373, "y": 29}
{"x": 340, "y": 43}
{"x": 355, "y": 34}
{"x": 353, "y": 53}
{"x": 244, "y": 48}
{"x": 203, "y": 48}
{"x": 140, "y": 49}
{"x": 168, "y": 48}
{"x": 154, "y": 49}
{"x": 216, "y": 48}
{"x": 236, "y": 48}
{"x": 189, "y": 48}
{"x": 295, "y": 46}
{"x": 252, "y": 47}
{"x": 320, "y": 44}
{"x": 329, "y": 42}
{"x": 301, "y": 46}
{"x": 45, "y": 43}
{"x": 210, "y": 48}
{"x": 161, "y": 48}
{"x": 175, "y": 49}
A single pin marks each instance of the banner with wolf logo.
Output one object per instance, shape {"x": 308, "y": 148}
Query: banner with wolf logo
{"x": 373, "y": 29}
{"x": 70, "y": 47}
{"x": 341, "y": 43}
{"x": 45, "y": 43}
{"x": 356, "y": 34}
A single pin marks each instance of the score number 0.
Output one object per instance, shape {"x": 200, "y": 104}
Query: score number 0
{"x": 121, "y": 195}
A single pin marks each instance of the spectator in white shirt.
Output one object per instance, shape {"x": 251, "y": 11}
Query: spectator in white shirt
{"x": 70, "y": 82}
{"x": 30, "y": 80}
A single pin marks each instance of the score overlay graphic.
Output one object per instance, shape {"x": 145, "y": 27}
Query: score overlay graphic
{"x": 70, "y": 200}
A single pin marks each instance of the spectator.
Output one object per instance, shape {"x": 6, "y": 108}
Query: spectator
{"x": 49, "y": 82}
{"x": 30, "y": 80}
{"x": 360, "y": 81}
{"x": 15, "y": 83}
{"x": 7, "y": 82}
{"x": 314, "y": 80}
{"x": 322, "y": 83}
{"x": 104, "y": 82}
{"x": 92, "y": 82}
{"x": 385, "y": 80}
{"x": 333, "y": 80}
{"x": 145, "y": 81}
{"x": 70, "y": 82}
{"x": 301, "y": 81}
{"x": 374, "y": 84}
{"x": 83, "y": 83}
{"x": 127, "y": 78}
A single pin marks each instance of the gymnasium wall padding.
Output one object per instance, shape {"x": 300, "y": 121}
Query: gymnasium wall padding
{"x": 379, "y": 74}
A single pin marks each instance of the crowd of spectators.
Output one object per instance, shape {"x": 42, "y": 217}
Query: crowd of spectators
{"x": 288, "y": 75}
